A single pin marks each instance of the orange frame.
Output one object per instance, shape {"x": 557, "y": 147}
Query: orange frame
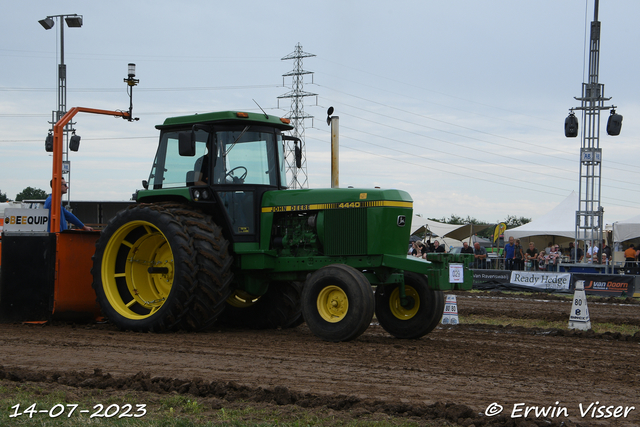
{"x": 72, "y": 291}
{"x": 56, "y": 179}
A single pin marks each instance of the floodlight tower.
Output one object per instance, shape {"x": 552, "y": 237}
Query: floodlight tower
{"x": 299, "y": 178}
{"x": 73, "y": 21}
{"x": 589, "y": 216}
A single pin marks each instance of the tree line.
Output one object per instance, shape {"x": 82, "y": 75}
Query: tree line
{"x": 28, "y": 193}
{"x": 511, "y": 221}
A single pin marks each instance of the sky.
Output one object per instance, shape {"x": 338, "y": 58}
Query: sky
{"x": 461, "y": 103}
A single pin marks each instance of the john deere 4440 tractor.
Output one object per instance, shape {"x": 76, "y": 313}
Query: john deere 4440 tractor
{"x": 216, "y": 236}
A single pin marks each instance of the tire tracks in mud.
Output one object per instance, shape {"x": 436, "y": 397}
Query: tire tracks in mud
{"x": 468, "y": 365}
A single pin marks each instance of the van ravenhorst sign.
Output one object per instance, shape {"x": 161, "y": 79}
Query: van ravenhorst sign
{"x": 26, "y": 219}
{"x": 546, "y": 281}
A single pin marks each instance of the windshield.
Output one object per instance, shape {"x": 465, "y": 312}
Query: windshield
{"x": 243, "y": 155}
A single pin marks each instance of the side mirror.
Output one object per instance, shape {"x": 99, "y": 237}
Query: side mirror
{"x": 298, "y": 149}
{"x": 298, "y": 154}
{"x": 187, "y": 143}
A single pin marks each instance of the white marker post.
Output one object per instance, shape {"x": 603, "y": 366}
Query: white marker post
{"x": 579, "y": 317}
{"x": 450, "y": 314}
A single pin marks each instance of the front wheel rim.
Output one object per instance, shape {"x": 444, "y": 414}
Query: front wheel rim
{"x": 396, "y": 307}
{"x": 132, "y": 289}
{"x": 333, "y": 304}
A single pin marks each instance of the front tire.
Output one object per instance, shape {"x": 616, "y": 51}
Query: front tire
{"x": 337, "y": 303}
{"x": 415, "y": 320}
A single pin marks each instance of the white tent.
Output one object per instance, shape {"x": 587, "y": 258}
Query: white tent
{"x": 419, "y": 226}
{"x": 422, "y": 228}
{"x": 558, "y": 225}
{"x": 626, "y": 230}
{"x": 466, "y": 230}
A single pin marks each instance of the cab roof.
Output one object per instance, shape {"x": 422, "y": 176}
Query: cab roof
{"x": 227, "y": 117}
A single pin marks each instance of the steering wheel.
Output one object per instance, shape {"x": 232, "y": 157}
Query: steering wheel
{"x": 234, "y": 178}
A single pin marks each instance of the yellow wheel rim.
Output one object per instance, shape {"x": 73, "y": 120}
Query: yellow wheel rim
{"x": 131, "y": 289}
{"x": 397, "y": 309}
{"x": 241, "y": 299}
{"x": 333, "y": 304}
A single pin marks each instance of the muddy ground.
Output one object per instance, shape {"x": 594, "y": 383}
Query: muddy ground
{"x": 452, "y": 376}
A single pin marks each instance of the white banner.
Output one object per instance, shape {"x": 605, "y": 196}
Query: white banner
{"x": 547, "y": 281}
{"x": 26, "y": 219}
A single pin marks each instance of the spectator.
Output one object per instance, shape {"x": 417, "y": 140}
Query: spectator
{"x": 606, "y": 250}
{"x": 532, "y": 257}
{"x": 519, "y": 256}
{"x": 466, "y": 249}
{"x": 422, "y": 250}
{"x": 480, "y": 255}
{"x": 630, "y": 257}
{"x": 418, "y": 249}
{"x": 412, "y": 249}
{"x": 509, "y": 254}
{"x": 553, "y": 258}
{"x": 592, "y": 253}
{"x": 438, "y": 248}
{"x": 428, "y": 246}
{"x": 542, "y": 261}
{"x": 576, "y": 256}
{"x": 65, "y": 215}
{"x": 547, "y": 250}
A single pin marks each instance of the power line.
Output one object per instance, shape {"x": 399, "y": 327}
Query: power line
{"x": 529, "y": 162}
{"x": 547, "y": 190}
{"x": 157, "y": 89}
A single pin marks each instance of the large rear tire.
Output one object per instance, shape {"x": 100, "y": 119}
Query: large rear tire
{"x": 337, "y": 303}
{"x": 161, "y": 267}
{"x": 413, "y": 321}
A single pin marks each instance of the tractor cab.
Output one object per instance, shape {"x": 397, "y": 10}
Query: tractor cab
{"x": 224, "y": 159}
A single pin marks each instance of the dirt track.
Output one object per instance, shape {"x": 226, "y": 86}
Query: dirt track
{"x": 472, "y": 366}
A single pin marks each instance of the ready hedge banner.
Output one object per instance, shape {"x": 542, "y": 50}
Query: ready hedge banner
{"x": 542, "y": 281}
{"x": 609, "y": 285}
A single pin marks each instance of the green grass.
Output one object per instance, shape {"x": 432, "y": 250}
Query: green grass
{"x": 172, "y": 410}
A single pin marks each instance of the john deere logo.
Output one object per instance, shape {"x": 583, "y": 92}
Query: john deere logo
{"x": 401, "y": 220}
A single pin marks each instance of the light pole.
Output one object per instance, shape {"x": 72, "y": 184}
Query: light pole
{"x": 589, "y": 216}
{"x": 73, "y": 21}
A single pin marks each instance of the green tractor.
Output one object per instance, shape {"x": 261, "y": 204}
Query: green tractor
{"x": 216, "y": 236}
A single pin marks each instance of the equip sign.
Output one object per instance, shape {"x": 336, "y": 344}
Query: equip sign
{"x": 26, "y": 219}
